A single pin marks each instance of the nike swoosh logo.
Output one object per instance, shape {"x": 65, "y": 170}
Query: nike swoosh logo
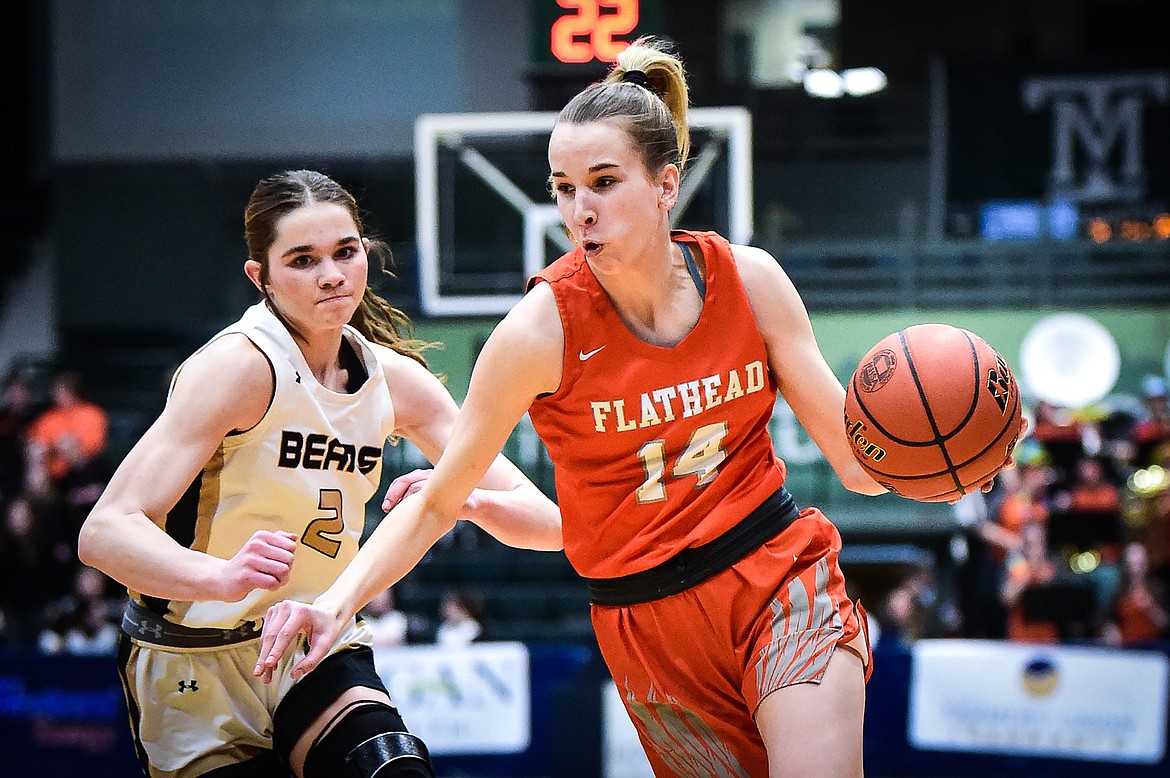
{"x": 583, "y": 355}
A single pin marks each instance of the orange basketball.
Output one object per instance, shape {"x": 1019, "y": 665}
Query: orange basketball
{"x": 932, "y": 412}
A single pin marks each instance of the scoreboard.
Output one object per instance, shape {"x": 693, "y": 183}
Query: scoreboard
{"x": 580, "y": 32}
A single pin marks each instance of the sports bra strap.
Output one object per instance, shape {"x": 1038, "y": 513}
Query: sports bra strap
{"x": 693, "y": 269}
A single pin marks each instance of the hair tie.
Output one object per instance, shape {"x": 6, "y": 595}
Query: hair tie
{"x": 636, "y": 77}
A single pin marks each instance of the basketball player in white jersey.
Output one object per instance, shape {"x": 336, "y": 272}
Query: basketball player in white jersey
{"x": 251, "y": 487}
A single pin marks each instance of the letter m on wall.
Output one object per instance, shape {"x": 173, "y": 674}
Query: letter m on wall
{"x": 1101, "y": 118}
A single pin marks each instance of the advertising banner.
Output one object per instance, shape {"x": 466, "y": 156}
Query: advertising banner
{"x": 1036, "y": 700}
{"x": 469, "y": 700}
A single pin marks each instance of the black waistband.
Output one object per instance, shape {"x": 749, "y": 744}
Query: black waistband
{"x": 146, "y": 626}
{"x": 692, "y": 566}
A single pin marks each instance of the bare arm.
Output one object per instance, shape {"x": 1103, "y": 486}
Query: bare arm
{"x": 1014, "y": 584}
{"x": 226, "y": 386}
{"x": 994, "y": 533}
{"x": 804, "y": 377}
{"x": 506, "y": 503}
{"x": 521, "y": 360}
{"x": 521, "y": 516}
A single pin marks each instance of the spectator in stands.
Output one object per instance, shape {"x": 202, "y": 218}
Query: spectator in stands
{"x": 33, "y": 565}
{"x": 911, "y": 610}
{"x": 1030, "y": 565}
{"x": 979, "y": 568}
{"x": 1062, "y": 437}
{"x": 1155, "y": 535}
{"x": 1093, "y": 500}
{"x": 84, "y": 622}
{"x": 390, "y": 626}
{"x": 66, "y": 466}
{"x": 461, "y": 618}
{"x": 1117, "y": 448}
{"x": 1152, "y": 432}
{"x": 1138, "y": 613}
{"x": 71, "y": 433}
{"x": 1019, "y": 498}
{"x": 1024, "y": 501}
{"x": 1092, "y": 489}
{"x": 17, "y": 411}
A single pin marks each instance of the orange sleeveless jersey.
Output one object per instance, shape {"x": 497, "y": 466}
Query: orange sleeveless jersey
{"x": 656, "y": 449}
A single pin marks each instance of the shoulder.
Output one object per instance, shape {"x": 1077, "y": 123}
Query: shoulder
{"x": 753, "y": 262}
{"x": 776, "y": 304}
{"x": 228, "y": 377}
{"x": 763, "y": 277}
{"x": 526, "y": 349}
{"x": 91, "y": 408}
{"x": 234, "y": 355}
{"x": 534, "y": 321}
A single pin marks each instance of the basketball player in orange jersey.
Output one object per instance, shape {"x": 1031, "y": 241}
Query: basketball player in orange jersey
{"x": 252, "y": 485}
{"x": 649, "y": 361}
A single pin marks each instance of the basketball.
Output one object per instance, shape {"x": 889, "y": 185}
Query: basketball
{"x": 932, "y": 412}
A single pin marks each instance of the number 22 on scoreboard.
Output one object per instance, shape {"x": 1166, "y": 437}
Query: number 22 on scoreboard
{"x": 588, "y": 33}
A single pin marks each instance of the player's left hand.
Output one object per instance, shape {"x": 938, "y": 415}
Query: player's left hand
{"x": 283, "y": 623}
{"x": 1008, "y": 464}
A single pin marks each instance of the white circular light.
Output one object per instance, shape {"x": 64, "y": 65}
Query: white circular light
{"x": 1069, "y": 360}
{"x": 863, "y": 81}
{"x": 822, "y": 82}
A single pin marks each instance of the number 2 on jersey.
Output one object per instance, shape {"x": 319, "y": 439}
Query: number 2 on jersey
{"x": 702, "y": 457}
{"x": 317, "y": 534}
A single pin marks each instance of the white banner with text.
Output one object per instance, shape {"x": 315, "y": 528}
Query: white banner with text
{"x": 470, "y": 700}
{"x": 1069, "y": 702}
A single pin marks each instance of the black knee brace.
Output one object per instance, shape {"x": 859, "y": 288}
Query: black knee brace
{"x": 391, "y": 754}
{"x": 369, "y": 740}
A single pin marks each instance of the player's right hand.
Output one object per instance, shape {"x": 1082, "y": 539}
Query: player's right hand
{"x": 403, "y": 486}
{"x": 264, "y": 562}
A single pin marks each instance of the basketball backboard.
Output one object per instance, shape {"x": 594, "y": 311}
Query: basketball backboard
{"x": 486, "y": 222}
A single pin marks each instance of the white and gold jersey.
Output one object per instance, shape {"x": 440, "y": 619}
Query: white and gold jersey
{"x": 309, "y": 467}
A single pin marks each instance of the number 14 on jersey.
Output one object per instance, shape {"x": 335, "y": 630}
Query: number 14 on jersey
{"x": 702, "y": 456}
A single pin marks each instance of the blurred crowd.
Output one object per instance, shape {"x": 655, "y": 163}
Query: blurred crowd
{"x": 459, "y": 622}
{"x": 1073, "y": 544}
{"x": 53, "y": 468}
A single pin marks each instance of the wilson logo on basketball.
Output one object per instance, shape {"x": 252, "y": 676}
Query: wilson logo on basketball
{"x": 999, "y": 383}
{"x": 877, "y": 372}
{"x": 855, "y": 430}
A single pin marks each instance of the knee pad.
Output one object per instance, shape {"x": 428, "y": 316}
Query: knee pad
{"x": 391, "y": 755}
{"x": 369, "y": 740}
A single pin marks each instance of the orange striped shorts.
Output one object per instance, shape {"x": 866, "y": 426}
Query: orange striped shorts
{"x": 693, "y": 667}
